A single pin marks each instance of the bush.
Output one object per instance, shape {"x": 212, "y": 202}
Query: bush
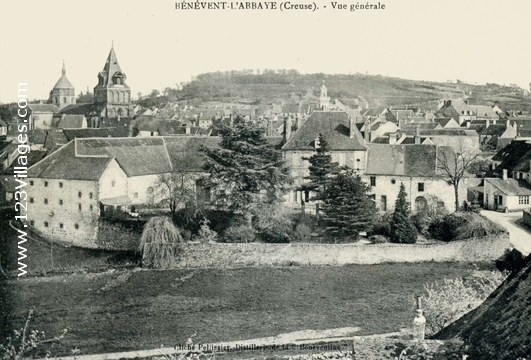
{"x": 382, "y": 226}
{"x": 272, "y": 224}
{"x": 512, "y": 261}
{"x": 205, "y": 234}
{"x": 461, "y": 226}
{"x": 378, "y": 239}
{"x": 301, "y": 233}
{"x": 241, "y": 233}
{"x": 161, "y": 243}
{"x": 447, "y": 301}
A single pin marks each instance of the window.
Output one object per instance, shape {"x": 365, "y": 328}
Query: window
{"x": 31, "y": 182}
{"x": 31, "y": 200}
{"x": 79, "y": 194}
{"x": 79, "y": 207}
{"x": 46, "y": 184}
{"x": 420, "y": 186}
{"x": 46, "y": 224}
{"x": 383, "y": 203}
{"x": 76, "y": 226}
{"x": 32, "y": 223}
{"x": 373, "y": 180}
{"x": 61, "y": 225}
{"x": 523, "y": 200}
{"x": 393, "y": 181}
{"x": 113, "y": 183}
{"x": 46, "y": 201}
{"x": 60, "y": 201}
{"x": 60, "y": 184}
{"x": 90, "y": 195}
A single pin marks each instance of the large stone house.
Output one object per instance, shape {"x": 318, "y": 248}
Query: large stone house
{"x": 69, "y": 189}
{"x": 418, "y": 168}
{"x": 347, "y": 146}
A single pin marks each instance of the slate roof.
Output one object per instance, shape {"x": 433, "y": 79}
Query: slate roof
{"x": 403, "y": 160}
{"x": 71, "y": 121}
{"x": 77, "y": 109}
{"x": 137, "y": 156}
{"x": 500, "y": 328}
{"x": 494, "y": 130}
{"x": 71, "y": 134}
{"x": 64, "y": 164}
{"x": 41, "y": 136}
{"x": 443, "y": 121}
{"x": 43, "y": 108}
{"x": 334, "y": 126}
{"x": 518, "y": 151}
{"x": 510, "y": 186}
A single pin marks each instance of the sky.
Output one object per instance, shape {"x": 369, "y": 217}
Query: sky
{"x": 476, "y": 41}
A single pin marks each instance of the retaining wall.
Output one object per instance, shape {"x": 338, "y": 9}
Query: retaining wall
{"x": 259, "y": 254}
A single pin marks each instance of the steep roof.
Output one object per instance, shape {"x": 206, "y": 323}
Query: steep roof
{"x": 137, "y": 156}
{"x": 63, "y": 82}
{"x": 111, "y": 68}
{"x": 71, "y": 122}
{"x": 512, "y": 155}
{"x": 64, "y": 164}
{"x": 500, "y": 328}
{"x": 334, "y": 126}
{"x": 403, "y": 160}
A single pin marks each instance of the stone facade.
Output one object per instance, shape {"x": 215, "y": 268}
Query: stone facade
{"x": 419, "y": 189}
{"x": 65, "y": 210}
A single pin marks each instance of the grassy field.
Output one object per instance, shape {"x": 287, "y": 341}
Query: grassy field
{"x": 128, "y": 310}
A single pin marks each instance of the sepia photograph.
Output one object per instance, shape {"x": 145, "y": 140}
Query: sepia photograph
{"x": 265, "y": 180}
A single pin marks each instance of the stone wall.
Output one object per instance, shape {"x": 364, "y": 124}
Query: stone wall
{"x": 258, "y": 254}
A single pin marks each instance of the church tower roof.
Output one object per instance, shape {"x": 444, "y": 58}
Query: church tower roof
{"x": 63, "y": 82}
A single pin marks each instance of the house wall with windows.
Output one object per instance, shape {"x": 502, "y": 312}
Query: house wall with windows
{"x": 385, "y": 188}
{"x": 113, "y": 182}
{"x": 64, "y": 210}
{"x": 144, "y": 189}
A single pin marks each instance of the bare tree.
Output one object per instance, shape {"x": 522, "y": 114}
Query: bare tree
{"x": 454, "y": 163}
{"x": 179, "y": 186}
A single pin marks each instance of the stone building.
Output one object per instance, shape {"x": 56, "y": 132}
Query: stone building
{"x": 112, "y": 95}
{"x": 347, "y": 146}
{"x": 63, "y": 93}
{"x": 416, "y": 166}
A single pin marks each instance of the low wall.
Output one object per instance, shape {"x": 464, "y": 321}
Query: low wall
{"x": 259, "y": 254}
{"x": 526, "y": 219}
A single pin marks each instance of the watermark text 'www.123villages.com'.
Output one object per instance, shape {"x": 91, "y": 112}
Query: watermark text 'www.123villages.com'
{"x": 274, "y": 5}
{"x": 20, "y": 173}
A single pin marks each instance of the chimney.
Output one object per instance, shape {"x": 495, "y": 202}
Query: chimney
{"x": 287, "y": 128}
{"x": 504, "y": 174}
{"x": 392, "y": 138}
{"x": 417, "y": 135}
{"x": 367, "y": 131}
{"x": 351, "y": 126}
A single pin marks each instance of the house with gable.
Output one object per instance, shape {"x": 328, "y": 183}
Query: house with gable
{"x": 71, "y": 188}
{"x": 347, "y": 146}
{"x": 418, "y": 168}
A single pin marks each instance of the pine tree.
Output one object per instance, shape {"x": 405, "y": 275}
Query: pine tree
{"x": 347, "y": 208}
{"x": 246, "y": 170}
{"x": 321, "y": 168}
{"x": 402, "y": 229}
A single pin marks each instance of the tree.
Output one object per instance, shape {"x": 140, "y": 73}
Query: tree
{"x": 85, "y": 98}
{"x": 454, "y": 164}
{"x": 246, "y": 170}
{"x": 179, "y": 186}
{"x": 154, "y": 93}
{"x": 402, "y": 230}
{"x": 347, "y": 208}
{"x": 321, "y": 168}
{"x": 160, "y": 243}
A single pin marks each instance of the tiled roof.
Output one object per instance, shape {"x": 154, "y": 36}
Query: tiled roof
{"x": 64, "y": 164}
{"x": 43, "y": 108}
{"x": 77, "y": 109}
{"x": 137, "y": 156}
{"x": 402, "y": 160}
{"x": 71, "y": 121}
{"x": 334, "y": 126}
{"x": 96, "y": 132}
